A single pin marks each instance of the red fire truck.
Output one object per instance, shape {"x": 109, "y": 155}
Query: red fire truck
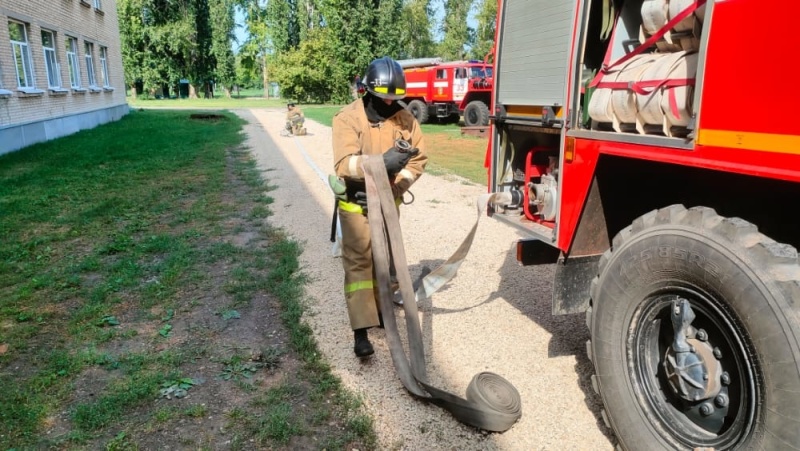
{"x": 447, "y": 90}
{"x": 651, "y": 151}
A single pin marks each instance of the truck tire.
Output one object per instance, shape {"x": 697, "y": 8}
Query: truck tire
{"x": 419, "y": 109}
{"x": 734, "y": 383}
{"x": 476, "y": 114}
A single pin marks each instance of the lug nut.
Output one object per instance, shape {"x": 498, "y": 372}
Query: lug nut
{"x": 717, "y": 353}
{"x": 721, "y": 400}
{"x": 706, "y": 409}
{"x": 702, "y": 335}
{"x": 726, "y": 378}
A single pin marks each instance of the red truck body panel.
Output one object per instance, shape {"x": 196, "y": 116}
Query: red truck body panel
{"x": 746, "y": 120}
{"x": 446, "y": 82}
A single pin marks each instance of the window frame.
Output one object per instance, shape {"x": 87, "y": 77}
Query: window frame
{"x": 104, "y": 67}
{"x": 51, "y": 57}
{"x": 73, "y": 62}
{"x": 88, "y": 57}
{"x": 97, "y": 4}
{"x": 24, "y": 49}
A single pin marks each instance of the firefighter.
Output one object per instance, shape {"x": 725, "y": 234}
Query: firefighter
{"x": 372, "y": 125}
{"x": 294, "y": 119}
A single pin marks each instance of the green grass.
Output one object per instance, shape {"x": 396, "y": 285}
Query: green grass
{"x": 249, "y": 92}
{"x": 321, "y": 113}
{"x": 219, "y": 102}
{"x": 324, "y": 115}
{"x": 107, "y": 233}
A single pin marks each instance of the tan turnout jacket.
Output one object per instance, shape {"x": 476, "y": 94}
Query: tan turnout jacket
{"x": 354, "y": 136}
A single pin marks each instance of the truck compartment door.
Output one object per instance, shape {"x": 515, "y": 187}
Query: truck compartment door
{"x": 533, "y": 52}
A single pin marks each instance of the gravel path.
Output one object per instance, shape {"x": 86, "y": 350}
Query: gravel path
{"x": 494, "y": 316}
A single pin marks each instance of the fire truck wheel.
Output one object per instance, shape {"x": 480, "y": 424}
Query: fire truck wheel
{"x": 476, "y": 114}
{"x": 695, "y": 334}
{"x": 419, "y": 109}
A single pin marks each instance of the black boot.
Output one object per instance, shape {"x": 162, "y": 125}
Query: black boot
{"x": 363, "y": 347}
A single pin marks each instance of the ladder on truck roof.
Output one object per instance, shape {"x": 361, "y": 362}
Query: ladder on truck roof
{"x": 419, "y": 62}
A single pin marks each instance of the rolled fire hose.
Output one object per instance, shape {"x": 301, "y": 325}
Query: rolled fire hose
{"x": 491, "y": 403}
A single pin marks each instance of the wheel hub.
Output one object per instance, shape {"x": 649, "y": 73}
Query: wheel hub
{"x": 694, "y": 371}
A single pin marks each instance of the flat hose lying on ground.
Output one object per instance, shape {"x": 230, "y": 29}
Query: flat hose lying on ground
{"x": 492, "y": 403}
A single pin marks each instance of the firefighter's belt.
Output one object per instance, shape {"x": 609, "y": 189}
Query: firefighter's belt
{"x": 492, "y": 403}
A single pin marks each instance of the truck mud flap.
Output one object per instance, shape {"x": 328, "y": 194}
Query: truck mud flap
{"x": 571, "y": 284}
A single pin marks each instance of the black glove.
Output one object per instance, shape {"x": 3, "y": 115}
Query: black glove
{"x": 361, "y": 199}
{"x": 395, "y": 160}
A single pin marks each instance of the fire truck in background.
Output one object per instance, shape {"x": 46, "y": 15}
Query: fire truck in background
{"x": 446, "y": 90}
{"x": 651, "y": 151}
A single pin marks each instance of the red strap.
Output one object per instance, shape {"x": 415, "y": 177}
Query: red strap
{"x": 646, "y": 87}
{"x": 639, "y": 88}
{"x": 646, "y": 44}
{"x": 673, "y": 104}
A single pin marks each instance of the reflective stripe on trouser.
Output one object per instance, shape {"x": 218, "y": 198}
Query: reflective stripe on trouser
{"x": 357, "y": 262}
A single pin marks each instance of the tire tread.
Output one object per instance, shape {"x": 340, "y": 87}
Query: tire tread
{"x": 781, "y": 260}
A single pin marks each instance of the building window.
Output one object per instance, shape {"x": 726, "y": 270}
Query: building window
{"x": 88, "y": 51}
{"x": 4, "y": 93}
{"x": 104, "y": 67}
{"x": 51, "y": 59}
{"x": 97, "y": 4}
{"x": 72, "y": 59}
{"x": 21, "y": 52}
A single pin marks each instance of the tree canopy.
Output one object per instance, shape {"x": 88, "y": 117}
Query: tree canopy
{"x": 312, "y": 48}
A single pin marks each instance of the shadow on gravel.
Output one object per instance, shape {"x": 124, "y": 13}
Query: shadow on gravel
{"x": 530, "y": 290}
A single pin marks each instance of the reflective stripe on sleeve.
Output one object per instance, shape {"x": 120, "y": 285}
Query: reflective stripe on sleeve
{"x": 406, "y": 174}
{"x": 352, "y": 165}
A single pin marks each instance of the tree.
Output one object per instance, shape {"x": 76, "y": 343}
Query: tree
{"x": 245, "y": 76}
{"x": 254, "y": 51}
{"x": 388, "y": 29}
{"x": 309, "y": 17}
{"x": 201, "y": 63}
{"x": 164, "y": 41}
{"x": 352, "y": 32}
{"x": 170, "y": 35}
{"x": 222, "y": 25}
{"x": 283, "y": 30}
{"x": 132, "y": 40}
{"x": 457, "y": 34}
{"x": 484, "y": 36}
{"x": 311, "y": 72}
{"x": 416, "y": 32}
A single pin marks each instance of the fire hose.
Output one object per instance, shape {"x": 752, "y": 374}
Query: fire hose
{"x": 491, "y": 403}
